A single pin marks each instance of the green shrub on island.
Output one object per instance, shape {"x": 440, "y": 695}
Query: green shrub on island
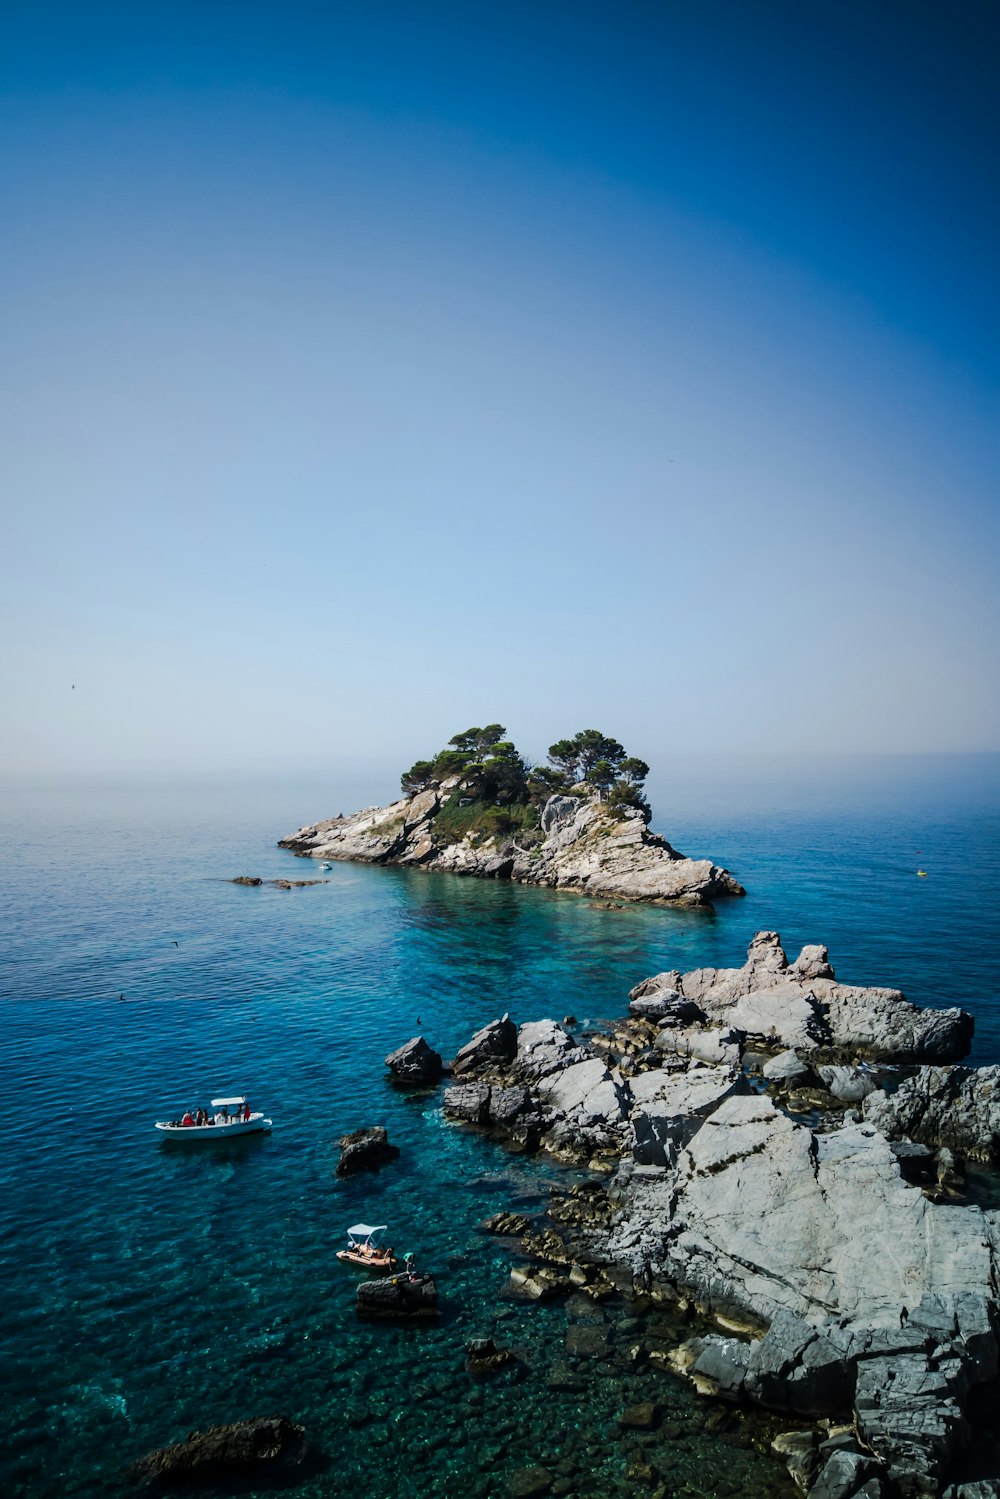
{"x": 498, "y": 791}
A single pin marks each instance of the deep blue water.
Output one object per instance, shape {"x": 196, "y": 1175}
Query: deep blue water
{"x": 147, "y": 1291}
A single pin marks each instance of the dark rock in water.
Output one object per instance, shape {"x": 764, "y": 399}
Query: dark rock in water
{"x": 798, "y": 1448}
{"x": 415, "y": 1064}
{"x": 642, "y": 1417}
{"x": 255, "y": 879}
{"x": 507, "y": 1105}
{"x": 223, "y": 1449}
{"x": 479, "y": 1103}
{"x": 469, "y": 1102}
{"x": 495, "y": 1044}
{"x": 585, "y": 1341}
{"x": 529, "y": 1483}
{"x": 842, "y": 1476}
{"x": 399, "y": 1296}
{"x": 365, "y": 1150}
{"x": 483, "y": 1357}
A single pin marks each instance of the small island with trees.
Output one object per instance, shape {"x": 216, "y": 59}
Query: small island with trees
{"x": 480, "y": 807}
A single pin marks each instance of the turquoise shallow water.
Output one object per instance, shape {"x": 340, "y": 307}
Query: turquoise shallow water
{"x": 149, "y": 1290}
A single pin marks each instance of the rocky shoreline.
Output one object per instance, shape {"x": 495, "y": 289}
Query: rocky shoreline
{"x": 581, "y": 845}
{"x": 783, "y": 1154}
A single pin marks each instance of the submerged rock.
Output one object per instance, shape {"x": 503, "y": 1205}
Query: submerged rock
{"x": 238, "y": 1447}
{"x": 365, "y": 1150}
{"x": 508, "y": 1224}
{"x": 483, "y": 1358}
{"x": 530, "y": 1483}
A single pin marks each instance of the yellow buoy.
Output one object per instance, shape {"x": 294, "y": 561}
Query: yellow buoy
{"x": 922, "y": 874}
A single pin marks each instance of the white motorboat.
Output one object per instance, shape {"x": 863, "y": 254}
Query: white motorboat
{"x": 231, "y": 1116}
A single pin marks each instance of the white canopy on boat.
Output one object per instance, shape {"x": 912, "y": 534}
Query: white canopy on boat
{"x": 227, "y": 1103}
{"x": 365, "y": 1230}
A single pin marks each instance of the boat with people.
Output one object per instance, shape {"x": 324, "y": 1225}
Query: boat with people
{"x": 365, "y": 1248}
{"x": 228, "y": 1117}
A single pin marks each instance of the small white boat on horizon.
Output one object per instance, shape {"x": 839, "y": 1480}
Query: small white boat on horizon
{"x": 232, "y": 1116}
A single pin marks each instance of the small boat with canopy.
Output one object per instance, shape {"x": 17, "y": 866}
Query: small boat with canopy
{"x": 365, "y": 1248}
{"x": 229, "y": 1117}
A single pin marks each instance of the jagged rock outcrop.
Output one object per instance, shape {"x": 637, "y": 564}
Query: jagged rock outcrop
{"x": 856, "y": 1293}
{"x": 495, "y": 1043}
{"x": 800, "y": 1006}
{"x": 415, "y": 1064}
{"x": 957, "y": 1107}
{"x": 239, "y": 1447}
{"x": 580, "y": 846}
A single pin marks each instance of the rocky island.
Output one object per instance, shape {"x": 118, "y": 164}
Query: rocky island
{"x": 776, "y": 1151}
{"x": 478, "y": 808}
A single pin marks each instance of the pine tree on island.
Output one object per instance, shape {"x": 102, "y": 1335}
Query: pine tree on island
{"x": 499, "y": 791}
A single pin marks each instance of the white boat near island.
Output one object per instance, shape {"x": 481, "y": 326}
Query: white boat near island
{"x": 222, "y": 1125}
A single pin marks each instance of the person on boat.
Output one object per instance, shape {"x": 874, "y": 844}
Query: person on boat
{"x": 246, "y": 1112}
{"x": 188, "y": 1121}
{"x": 222, "y": 1117}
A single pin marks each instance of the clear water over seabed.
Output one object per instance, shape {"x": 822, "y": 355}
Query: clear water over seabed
{"x": 146, "y": 1291}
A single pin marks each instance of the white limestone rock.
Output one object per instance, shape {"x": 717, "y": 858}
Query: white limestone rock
{"x": 584, "y": 848}
{"x": 801, "y": 1006}
{"x": 786, "y": 1067}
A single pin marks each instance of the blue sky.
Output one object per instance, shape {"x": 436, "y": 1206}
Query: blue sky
{"x": 372, "y": 370}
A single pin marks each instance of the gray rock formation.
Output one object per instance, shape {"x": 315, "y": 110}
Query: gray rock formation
{"x": 863, "y": 1297}
{"x": 580, "y": 846}
{"x": 415, "y": 1064}
{"x": 800, "y": 1006}
{"x": 957, "y": 1107}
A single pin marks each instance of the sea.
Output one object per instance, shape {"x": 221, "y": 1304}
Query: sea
{"x": 148, "y": 1290}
